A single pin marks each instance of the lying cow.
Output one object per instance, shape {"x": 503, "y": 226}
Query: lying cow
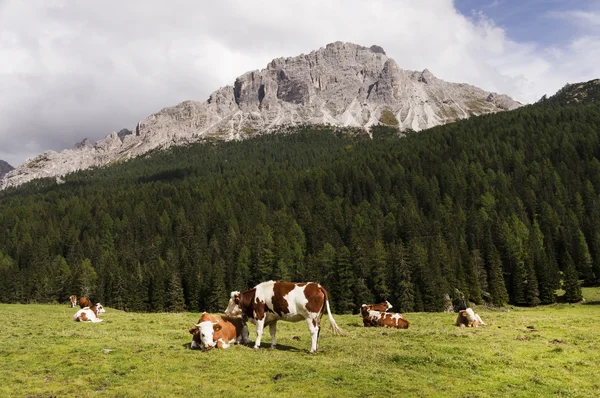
{"x": 218, "y": 331}
{"x": 383, "y": 307}
{"x": 468, "y": 318}
{"x": 391, "y": 320}
{"x": 73, "y": 301}
{"x": 269, "y": 302}
{"x": 89, "y": 314}
{"x": 370, "y": 317}
{"x": 84, "y": 302}
{"x": 382, "y": 319}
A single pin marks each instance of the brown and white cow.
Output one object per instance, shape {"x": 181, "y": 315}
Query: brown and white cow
{"x": 84, "y": 302}
{"x": 469, "y": 318}
{"x": 73, "y": 301}
{"x": 383, "y": 306}
{"x": 370, "y": 317}
{"x": 218, "y": 331}
{"x": 89, "y": 314}
{"x": 382, "y": 319}
{"x": 269, "y": 302}
{"x": 392, "y": 320}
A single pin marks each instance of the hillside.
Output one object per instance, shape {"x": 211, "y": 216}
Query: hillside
{"x": 342, "y": 84}
{"x": 496, "y": 208}
{"x": 578, "y": 93}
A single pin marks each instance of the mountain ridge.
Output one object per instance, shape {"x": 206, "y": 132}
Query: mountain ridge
{"x": 341, "y": 84}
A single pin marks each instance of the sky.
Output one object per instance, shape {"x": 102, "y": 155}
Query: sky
{"x": 72, "y": 69}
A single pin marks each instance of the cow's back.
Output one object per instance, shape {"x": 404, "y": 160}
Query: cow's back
{"x": 290, "y": 301}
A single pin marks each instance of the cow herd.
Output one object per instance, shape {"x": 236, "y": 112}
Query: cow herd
{"x": 270, "y": 302}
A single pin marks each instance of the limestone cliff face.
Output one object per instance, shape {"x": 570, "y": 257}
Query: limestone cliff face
{"x": 342, "y": 84}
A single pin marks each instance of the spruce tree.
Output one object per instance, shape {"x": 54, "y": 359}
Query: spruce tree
{"x": 571, "y": 284}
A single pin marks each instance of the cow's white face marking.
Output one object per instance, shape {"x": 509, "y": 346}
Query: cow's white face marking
{"x": 99, "y": 308}
{"x": 206, "y": 330}
{"x": 470, "y": 315}
{"x": 232, "y": 308}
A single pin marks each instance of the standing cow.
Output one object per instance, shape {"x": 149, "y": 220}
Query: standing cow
{"x": 269, "y": 302}
{"x": 73, "y": 301}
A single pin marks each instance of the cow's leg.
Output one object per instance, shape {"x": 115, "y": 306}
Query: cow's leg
{"x": 313, "y": 328}
{"x": 260, "y": 325}
{"x": 273, "y": 330}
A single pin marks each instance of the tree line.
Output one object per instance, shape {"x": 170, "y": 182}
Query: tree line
{"x": 499, "y": 209}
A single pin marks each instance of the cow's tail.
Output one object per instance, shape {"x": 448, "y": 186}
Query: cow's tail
{"x": 334, "y": 327}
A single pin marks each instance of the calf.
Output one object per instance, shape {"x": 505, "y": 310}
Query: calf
{"x": 84, "y": 302}
{"x": 269, "y": 302}
{"x": 89, "y": 314}
{"x": 383, "y": 307}
{"x": 218, "y": 331}
{"x": 73, "y": 301}
{"x": 468, "y": 318}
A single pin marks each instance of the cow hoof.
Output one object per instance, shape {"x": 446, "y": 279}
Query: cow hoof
{"x": 256, "y": 348}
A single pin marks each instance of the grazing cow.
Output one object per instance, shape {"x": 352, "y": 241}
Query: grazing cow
{"x": 468, "y": 318}
{"x": 89, "y": 314}
{"x": 391, "y": 320}
{"x": 218, "y": 331}
{"x": 383, "y": 307}
{"x": 84, "y": 302}
{"x": 269, "y": 302}
{"x": 73, "y": 301}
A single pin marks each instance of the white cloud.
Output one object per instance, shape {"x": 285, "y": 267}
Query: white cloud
{"x": 72, "y": 69}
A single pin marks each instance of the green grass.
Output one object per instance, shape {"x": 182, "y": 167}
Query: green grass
{"x": 44, "y": 353}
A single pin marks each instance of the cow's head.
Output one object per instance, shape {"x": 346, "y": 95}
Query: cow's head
{"x": 388, "y": 304}
{"x": 196, "y": 342}
{"x": 233, "y": 306}
{"x": 364, "y": 310}
{"x": 99, "y": 308}
{"x": 206, "y": 330}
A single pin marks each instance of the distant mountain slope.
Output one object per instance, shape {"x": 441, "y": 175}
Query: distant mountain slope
{"x": 4, "y": 168}
{"x": 343, "y": 84}
{"x": 577, "y": 93}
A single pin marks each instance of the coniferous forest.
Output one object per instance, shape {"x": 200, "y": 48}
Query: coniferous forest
{"x": 502, "y": 208}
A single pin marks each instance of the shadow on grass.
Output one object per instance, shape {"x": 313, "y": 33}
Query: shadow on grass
{"x": 263, "y": 346}
{"x": 592, "y": 303}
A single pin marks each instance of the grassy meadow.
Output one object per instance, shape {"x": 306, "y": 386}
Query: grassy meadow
{"x": 537, "y": 352}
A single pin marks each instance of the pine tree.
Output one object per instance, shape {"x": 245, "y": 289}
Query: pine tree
{"x": 379, "y": 272}
{"x": 344, "y": 286}
{"x": 175, "y": 301}
{"x": 496, "y": 283}
{"x": 571, "y": 284}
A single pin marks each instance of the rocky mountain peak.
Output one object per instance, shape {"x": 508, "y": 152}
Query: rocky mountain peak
{"x": 341, "y": 84}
